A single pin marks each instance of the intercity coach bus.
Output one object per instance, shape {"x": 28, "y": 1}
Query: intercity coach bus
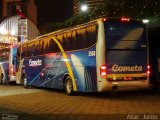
{"x": 8, "y": 64}
{"x": 102, "y": 55}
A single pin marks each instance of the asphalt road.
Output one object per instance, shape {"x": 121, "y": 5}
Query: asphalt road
{"x": 18, "y": 103}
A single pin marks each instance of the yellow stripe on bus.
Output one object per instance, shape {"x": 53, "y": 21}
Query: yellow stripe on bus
{"x": 67, "y": 63}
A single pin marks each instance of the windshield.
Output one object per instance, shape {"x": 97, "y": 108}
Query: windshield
{"x": 125, "y": 35}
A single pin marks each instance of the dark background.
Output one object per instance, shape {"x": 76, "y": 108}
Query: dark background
{"x": 0, "y": 8}
{"x": 50, "y": 11}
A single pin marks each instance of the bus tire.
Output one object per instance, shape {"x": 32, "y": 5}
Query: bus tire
{"x": 25, "y": 81}
{"x": 69, "y": 86}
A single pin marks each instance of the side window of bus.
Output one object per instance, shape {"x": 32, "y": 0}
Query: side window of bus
{"x": 24, "y": 48}
{"x": 91, "y": 34}
{"x": 72, "y": 42}
{"x": 31, "y": 49}
{"x": 60, "y": 40}
{"x": 41, "y": 47}
{"x": 81, "y": 38}
{"x": 27, "y": 51}
{"x": 37, "y": 50}
{"x": 53, "y": 47}
{"x": 65, "y": 42}
{"x": 44, "y": 46}
{"x": 50, "y": 47}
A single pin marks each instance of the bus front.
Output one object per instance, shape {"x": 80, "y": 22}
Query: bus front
{"x": 124, "y": 63}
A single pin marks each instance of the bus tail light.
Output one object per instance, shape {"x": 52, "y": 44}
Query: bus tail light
{"x": 125, "y": 19}
{"x": 148, "y": 70}
{"x": 103, "y": 70}
{"x": 104, "y": 19}
{"x": 42, "y": 74}
{"x": 11, "y": 69}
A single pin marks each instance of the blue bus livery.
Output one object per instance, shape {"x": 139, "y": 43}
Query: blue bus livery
{"x": 101, "y": 55}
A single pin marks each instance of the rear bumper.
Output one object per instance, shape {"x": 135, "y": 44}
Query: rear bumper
{"x": 105, "y": 85}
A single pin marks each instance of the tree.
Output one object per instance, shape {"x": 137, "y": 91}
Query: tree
{"x": 139, "y": 9}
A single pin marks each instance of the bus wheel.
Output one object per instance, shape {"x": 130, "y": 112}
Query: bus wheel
{"x": 68, "y": 86}
{"x": 25, "y": 81}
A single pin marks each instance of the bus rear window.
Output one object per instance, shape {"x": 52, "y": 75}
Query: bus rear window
{"x": 125, "y": 35}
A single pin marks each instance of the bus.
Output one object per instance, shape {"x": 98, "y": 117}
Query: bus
{"x": 102, "y": 55}
{"x": 4, "y": 65}
{"x": 8, "y": 64}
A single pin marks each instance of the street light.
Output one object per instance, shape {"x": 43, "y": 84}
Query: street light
{"x": 145, "y": 21}
{"x": 84, "y": 8}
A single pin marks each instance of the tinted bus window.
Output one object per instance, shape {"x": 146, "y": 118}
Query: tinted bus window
{"x": 31, "y": 49}
{"x": 71, "y": 37}
{"x": 65, "y": 42}
{"x": 53, "y": 47}
{"x": 45, "y": 45}
{"x": 81, "y": 38}
{"x": 37, "y": 49}
{"x": 125, "y": 35}
{"x": 91, "y": 34}
{"x": 24, "y": 51}
{"x": 41, "y": 47}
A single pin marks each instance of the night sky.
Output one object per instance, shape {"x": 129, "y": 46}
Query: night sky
{"x": 50, "y": 11}
{"x": 0, "y": 8}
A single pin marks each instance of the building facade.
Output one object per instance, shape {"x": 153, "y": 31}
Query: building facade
{"x": 28, "y": 7}
{"x": 77, "y": 4}
{"x": 18, "y": 21}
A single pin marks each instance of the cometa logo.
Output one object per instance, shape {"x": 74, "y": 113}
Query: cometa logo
{"x": 35, "y": 63}
{"x": 118, "y": 68}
